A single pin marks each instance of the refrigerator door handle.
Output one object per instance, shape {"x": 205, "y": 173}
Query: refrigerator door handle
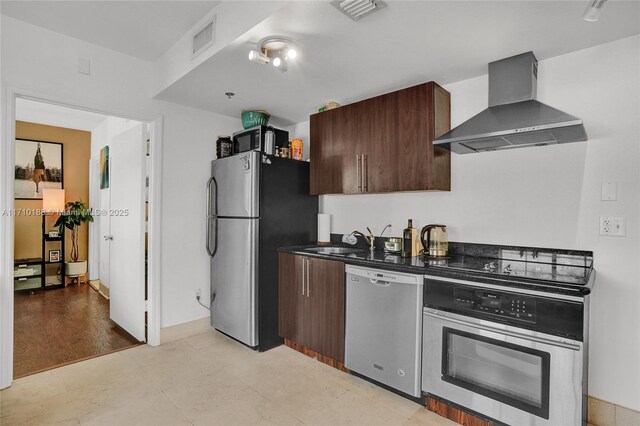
{"x": 211, "y": 217}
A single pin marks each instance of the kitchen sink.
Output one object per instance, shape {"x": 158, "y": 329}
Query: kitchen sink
{"x": 334, "y": 250}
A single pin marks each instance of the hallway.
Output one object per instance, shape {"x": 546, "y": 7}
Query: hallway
{"x": 62, "y": 326}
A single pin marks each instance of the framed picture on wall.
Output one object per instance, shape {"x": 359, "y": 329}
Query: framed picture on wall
{"x": 54, "y": 255}
{"x": 38, "y": 165}
{"x": 104, "y": 167}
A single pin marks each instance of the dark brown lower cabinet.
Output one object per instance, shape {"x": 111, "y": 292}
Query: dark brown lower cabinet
{"x": 311, "y": 303}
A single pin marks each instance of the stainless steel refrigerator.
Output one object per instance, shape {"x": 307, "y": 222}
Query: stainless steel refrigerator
{"x": 255, "y": 204}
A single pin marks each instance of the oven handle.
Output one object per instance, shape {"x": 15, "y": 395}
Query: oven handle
{"x": 511, "y": 289}
{"x": 547, "y": 341}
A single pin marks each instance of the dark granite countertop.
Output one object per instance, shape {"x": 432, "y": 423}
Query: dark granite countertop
{"x": 551, "y": 270}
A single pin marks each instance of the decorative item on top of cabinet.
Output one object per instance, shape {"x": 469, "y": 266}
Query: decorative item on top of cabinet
{"x": 311, "y": 303}
{"x": 383, "y": 144}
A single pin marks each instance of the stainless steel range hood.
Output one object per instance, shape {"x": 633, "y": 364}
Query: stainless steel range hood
{"x": 514, "y": 118}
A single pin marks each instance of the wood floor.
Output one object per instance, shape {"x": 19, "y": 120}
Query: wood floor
{"x": 61, "y": 326}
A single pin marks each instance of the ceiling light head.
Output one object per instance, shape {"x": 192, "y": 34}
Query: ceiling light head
{"x": 593, "y": 10}
{"x": 276, "y": 50}
{"x": 283, "y": 66}
{"x": 258, "y": 57}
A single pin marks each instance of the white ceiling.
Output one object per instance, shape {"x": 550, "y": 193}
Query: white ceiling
{"x": 54, "y": 115}
{"x": 144, "y": 29}
{"x": 404, "y": 44}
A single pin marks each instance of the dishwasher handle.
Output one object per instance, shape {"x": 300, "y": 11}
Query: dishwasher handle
{"x": 379, "y": 283}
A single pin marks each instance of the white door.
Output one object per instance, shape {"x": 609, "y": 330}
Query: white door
{"x": 127, "y": 251}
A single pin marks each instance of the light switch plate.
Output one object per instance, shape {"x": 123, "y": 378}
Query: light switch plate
{"x": 84, "y": 66}
{"x": 609, "y": 190}
{"x": 612, "y": 226}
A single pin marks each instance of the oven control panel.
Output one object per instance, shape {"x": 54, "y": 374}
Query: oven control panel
{"x": 496, "y": 303}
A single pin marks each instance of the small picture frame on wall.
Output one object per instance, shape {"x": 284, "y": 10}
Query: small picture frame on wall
{"x": 104, "y": 167}
{"x": 54, "y": 255}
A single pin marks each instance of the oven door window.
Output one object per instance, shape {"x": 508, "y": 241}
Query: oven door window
{"x": 512, "y": 374}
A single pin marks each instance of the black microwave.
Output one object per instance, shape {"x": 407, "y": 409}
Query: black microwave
{"x": 253, "y": 138}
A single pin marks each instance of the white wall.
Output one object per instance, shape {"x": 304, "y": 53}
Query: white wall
{"x": 548, "y": 197}
{"x": 45, "y": 62}
{"x": 102, "y": 134}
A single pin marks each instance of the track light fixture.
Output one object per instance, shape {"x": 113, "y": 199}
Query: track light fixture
{"x": 275, "y": 50}
{"x": 258, "y": 57}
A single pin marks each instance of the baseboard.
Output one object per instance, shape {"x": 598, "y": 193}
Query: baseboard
{"x": 603, "y": 413}
{"x": 318, "y": 356}
{"x": 104, "y": 290}
{"x": 186, "y": 329}
{"x": 95, "y": 284}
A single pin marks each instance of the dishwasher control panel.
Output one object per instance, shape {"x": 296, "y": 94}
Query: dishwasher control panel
{"x": 496, "y": 303}
{"x": 379, "y": 275}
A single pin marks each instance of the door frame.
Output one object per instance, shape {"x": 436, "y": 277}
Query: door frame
{"x": 7, "y": 162}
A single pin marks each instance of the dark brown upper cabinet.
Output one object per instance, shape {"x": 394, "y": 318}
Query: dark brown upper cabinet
{"x": 383, "y": 144}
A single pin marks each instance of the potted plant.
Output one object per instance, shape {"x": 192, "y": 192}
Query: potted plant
{"x": 75, "y": 214}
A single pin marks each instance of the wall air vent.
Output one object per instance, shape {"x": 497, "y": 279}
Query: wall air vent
{"x": 357, "y": 9}
{"x": 204, "y": 38}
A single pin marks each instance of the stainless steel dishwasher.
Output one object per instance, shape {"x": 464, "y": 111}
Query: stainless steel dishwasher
{"x": 384, "y": 327}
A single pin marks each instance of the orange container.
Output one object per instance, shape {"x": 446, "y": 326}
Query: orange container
{"x": 296, "y": 149}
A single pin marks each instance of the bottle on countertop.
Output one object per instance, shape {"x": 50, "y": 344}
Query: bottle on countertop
{"x": 407, "y": 240}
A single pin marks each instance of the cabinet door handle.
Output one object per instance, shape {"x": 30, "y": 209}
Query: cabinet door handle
{"x": 308, "y": 281}
{"x": 304, "y": 261}
{"x": 365, "y": 172}
{"x": 358, "y": 173}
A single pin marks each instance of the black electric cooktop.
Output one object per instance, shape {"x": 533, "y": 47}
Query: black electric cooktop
{"x": 559, "y": 269}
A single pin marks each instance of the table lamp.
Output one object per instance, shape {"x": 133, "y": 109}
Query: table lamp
{"x": 52, "y": 200}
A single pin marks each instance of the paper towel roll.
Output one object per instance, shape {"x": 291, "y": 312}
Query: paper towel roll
{"x": 324, "y": 228}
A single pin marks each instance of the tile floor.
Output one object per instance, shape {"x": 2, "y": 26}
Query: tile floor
{"x": 206, "y": 379}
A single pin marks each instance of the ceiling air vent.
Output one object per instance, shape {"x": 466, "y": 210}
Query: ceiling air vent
{"x": 204, "y": 38}
{"x": 357, "y": 9}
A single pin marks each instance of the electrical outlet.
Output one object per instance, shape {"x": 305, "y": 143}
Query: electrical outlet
{"x": 612, "y": 226}
{"x": 198, "y": 293}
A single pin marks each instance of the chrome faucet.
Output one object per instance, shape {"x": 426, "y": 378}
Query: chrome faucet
{"x": 370, "y": 239}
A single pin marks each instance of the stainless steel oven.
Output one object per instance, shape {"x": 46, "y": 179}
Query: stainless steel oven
{"x": 514, "y": 355}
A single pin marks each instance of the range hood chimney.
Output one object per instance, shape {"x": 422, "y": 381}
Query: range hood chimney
{"x": 514, "y": 119}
